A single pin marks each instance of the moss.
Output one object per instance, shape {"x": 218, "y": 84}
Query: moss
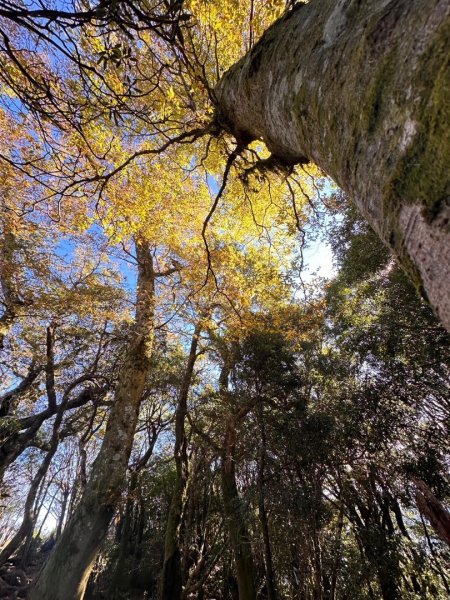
{"x": 421, "y": 171}
{"x": 423, "y": 174}
{"x": 373, "y": 109}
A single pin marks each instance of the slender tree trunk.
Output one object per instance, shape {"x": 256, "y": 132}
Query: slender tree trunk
{"x": 38, "y": 506}
{"x": 67, "y": 571}
{"x": 338, "y": 553}
{"x": 240, "y": 539}
{"x": 47, "y": 512}
{"x": 29, "y": 516}
{"x": 171, "y": 580}
{"x": 263, "y": 518}
{"x": 28, "y": 520}
{"x": 375, "y": 543}
{"x": 65, "y": 499}
{"x": 361, "y": 89}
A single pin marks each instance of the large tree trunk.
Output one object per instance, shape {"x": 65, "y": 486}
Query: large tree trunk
{"x": 66, "y": 574}
{"x": 171, "y": 579}
{"x": 362, "y": 89}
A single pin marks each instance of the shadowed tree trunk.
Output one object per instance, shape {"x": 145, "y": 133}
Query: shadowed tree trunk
{"x": 240, "y": 539}
{"x": 171, "y": 582}
{"x": 67, "y": 571}
{"x": 433, "y": 510}
{"x": 62, "y": 516}
{"x": 263, "y": 517}
{"x": 361, "y": 89}
{"x": 120, "y": 580}
{"x": 375, "y": 541}
{"x": 29, "y": 516}
{"x": 233, "y": 508}
{"x": 8, "y": 285}
{"x": 13, "y": 443}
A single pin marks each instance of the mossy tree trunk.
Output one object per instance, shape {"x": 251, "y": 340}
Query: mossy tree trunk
{"x": 362, "y": 89}
{"x": 171, "y": 579}
{"x": 67, "y": 571}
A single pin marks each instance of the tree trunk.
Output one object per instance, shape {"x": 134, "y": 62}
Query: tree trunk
{"x": 361, "y": 89}
{"x": 240, "y": 540}
{"x": 119, "y": 580}
{"x": 376, "y": 543}
{"x": 8, "y": 283}
{"x": 171, "y": 579}
{"x": 67, "y": 571}
{"x": 263, "y": 517}
{"x": 29, "y": 516}
{"x": 62, "y": 515}
{"x": 13, "y": 443}
{"x": 28, "y": 521}
{"x": 433, "y": 510}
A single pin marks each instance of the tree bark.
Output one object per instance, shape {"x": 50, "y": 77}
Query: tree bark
{"x": 171, "y": 579}
{"x": 263, "y": 517}
{"x": 119, "y": 580}
{"x": 67, "y": 570}
{"x": 433, "y": 510}
{"x": 29, "y": 518}
{"x": 361, "y": 89}
{"x": 8, "y": 284}
{"x": 240, "y": 539}
{"x": 62, "y": 514}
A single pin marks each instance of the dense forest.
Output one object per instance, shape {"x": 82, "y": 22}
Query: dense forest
{"x": 189, "y": 409}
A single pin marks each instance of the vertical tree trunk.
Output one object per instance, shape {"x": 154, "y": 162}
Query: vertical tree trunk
{"x": 118, "y": 581}
{"x": 338, "y": 553}
{"x": 376, "y": 544}
{"x": 62, "y": 516}
{"x": 171, "y": 579}
{"x": 263, "y": 518}
{"x": 67, "y": 571}
{"x": 361, "y": 89}
{"x": 240, "y": 539}
{"x": 11, "y": 300}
